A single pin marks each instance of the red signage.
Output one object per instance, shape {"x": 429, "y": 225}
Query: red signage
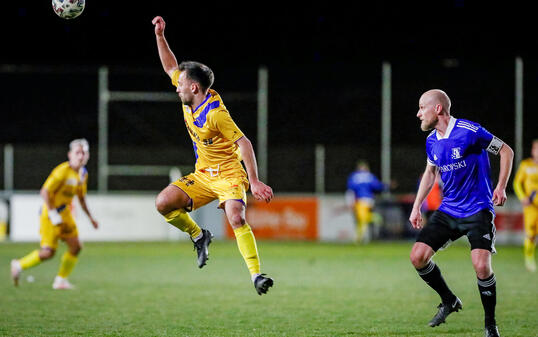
{"x": 283, "y": 218}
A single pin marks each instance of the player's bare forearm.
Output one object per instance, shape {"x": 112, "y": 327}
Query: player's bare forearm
{"x": 249, "y": 158}
{"x": 45, "y": 195}
{"x": 506, "y": 158}
{"x": 84, "y": 206}
{"x": 259, "y": 190}
{"x": 426, "y": 184}
{"x": 53, "y": 213}
{"x": 506, "y": 155}
{"x": 167, "y": 57}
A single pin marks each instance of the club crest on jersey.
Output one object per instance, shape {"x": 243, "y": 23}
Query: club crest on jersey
{"x": 456, "y": 153}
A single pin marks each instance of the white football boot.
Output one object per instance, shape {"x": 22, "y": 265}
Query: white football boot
{"x": 16, "y": 270}
{"x": 62, "y": 283}
{"x": 530, "y": 264}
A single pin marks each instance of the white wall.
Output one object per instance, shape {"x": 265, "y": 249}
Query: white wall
{"x": 133, "y": 217}
{"x": 121, "y": 218}
{"x": 334, "y": 223}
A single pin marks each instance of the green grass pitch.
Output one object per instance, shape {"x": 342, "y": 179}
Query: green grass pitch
{"x": 156, "y": 289}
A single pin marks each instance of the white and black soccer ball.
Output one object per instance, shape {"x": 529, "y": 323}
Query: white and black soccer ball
{"x": 68, "y": 9}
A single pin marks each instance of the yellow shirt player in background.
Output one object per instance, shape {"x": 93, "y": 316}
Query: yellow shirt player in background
{"x": 219, "y": 146}
{"x": 56, "y": 221}
{"x": 526, "y": 189}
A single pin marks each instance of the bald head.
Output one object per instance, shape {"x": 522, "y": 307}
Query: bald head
{"x": 434, "y": 110}
{"x": 437, "y": 96}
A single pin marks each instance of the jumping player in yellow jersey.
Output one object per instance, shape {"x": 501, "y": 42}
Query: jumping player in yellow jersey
{"x": 526, "y": 189}
{"x": 219, "y": 146}
{"x": 56, "y": 221}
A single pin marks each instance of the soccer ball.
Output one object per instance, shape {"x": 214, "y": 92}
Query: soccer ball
{"x": 68, "y": 9}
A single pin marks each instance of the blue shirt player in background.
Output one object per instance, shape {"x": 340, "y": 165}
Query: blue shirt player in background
{"x": 457, "y": 149}
{"x": 362, "y": 186}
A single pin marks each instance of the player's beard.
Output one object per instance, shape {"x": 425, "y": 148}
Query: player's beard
{"x": 185, "y": 101}
{"x": 428, "y": 125}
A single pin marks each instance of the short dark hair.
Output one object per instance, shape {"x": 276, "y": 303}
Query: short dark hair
{"x": 362, "y": 163}
{"x": 198, "y": 72}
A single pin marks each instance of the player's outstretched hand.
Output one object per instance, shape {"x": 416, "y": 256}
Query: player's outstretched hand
{"x": 499, "y": 197}
{"x": 260, "y": 191}
{"x": 416, "y": 219}
{"x": 159, "y": 25}
{"x": 94, "y": 223}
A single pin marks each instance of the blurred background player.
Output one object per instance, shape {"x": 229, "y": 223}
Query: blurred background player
{"x": 362, "y": 186}
{"x": 457, "y": 149}
{"x": 219, "y": 146}
{"x": 68, "y": 179}
{"x": 526, "y": 188}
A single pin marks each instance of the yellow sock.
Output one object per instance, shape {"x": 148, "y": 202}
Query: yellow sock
{"x": 30, "y": 260}
{"x": 528, "y": 248}
{"x": 247, "y": 246}
{"x": 68, "y": 263}
{"x": 361, "y": 229}
{"x": 183, "y": 221}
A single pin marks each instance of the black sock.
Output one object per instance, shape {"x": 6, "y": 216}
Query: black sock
{"x": 488, "y": 295}
{"x": 431, "y": 274}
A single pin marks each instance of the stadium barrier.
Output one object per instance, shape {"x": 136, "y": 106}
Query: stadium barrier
{"x": 132, "y": 217}
{"x": 4, "y": 219}
{"x": 121, "y": 218}
{"x": 283, "y": 218}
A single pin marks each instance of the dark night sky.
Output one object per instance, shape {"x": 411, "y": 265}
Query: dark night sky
{"x": 345, "y": 44}
{"x": 324, "y": 63}
{"x": 115, "y": 32}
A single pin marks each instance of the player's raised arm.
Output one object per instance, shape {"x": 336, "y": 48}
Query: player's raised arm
{"x": 168, "y": 59}
{"x": 506, "y": 157}
{"x": 259, "y": 190}
{"x": 426, "y": 183}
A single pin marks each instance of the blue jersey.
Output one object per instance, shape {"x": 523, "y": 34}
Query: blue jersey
{"x": 462, "y": 158}
{"x": 364, "y": 184}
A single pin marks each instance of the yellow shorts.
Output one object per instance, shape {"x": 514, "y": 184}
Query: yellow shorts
{"x": 203, "y": 188}
{"x": 530, "y": 219}
{"x": 51, "y": 233}
{"x": 363, "y": 211}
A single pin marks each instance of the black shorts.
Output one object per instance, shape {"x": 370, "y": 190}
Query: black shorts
{"x": 441, "y": 229}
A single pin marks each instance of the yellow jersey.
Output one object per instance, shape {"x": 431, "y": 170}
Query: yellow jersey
{"x": 64, "y": 183}
{"x": 526, "y": 179}
{"x": 213, "y": 134}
